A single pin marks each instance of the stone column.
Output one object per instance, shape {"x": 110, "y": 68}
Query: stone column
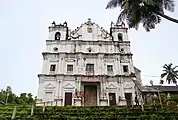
{"x": 61, "y": 92}
{"x": 57, "y": 89}
{"x": 101, "y": 89}
{"x": 77, "y": 99}
{"x": 133, "y": 95}
{"x": 103, "y": 100}
{"x": 58, "y": 99}
{"x": 41, "y": 93}
{"x": 123, "y": 100}
{"x": 80, "y": 64}
{"x": 118, "y": 91}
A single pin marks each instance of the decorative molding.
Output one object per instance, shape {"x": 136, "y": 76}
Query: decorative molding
{"x": 69, "y": 60}
{"x": 108, "y": 60}
{"x": 127, "y": 86}
{"x": 111, "y": 86}
{"x": 54, "y": 60}
{"x": 49, "y": 86}
{"x": 68, "y": 86}
{"x": 124, "y": 61}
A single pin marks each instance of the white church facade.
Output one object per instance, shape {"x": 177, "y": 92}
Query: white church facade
{"x": 87, "y": 67}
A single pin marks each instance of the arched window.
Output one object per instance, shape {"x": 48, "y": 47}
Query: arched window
{"x": 57, "y": 36}
{"x": 119, "y": 36}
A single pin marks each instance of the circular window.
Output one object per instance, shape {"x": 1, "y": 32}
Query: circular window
{"x": 55, "y": 49}
{"x": 122, "y": 49}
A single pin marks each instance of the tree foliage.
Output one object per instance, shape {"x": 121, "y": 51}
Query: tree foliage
{"x": 8, "y": 97}
{"x": 170, "y": 73}
{"x": 147, "y": 12}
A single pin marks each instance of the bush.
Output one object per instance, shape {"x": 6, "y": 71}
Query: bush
{"x": 87, "y": 113}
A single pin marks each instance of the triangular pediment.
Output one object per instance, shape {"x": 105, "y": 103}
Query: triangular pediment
{"x": 111, "y": 86}
{"x": 127, "y": 86}
{"x": 69, "y": 86}
{"x": 89, "y": 31}
{"x": 49, "y": 86}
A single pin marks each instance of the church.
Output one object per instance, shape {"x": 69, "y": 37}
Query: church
{"x": 88, "y": 66}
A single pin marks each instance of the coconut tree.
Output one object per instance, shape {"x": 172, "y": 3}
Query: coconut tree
{"x": 170, "y": 73}
{"x": 161, "y": 82}
{"x": 147, "y": 12}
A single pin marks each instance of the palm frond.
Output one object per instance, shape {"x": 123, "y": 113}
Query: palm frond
{"x": 122, "y": 17}
{"x": 149, "y": 20}
{"x": 174, "y": 80}
{"x": 169, "y": 5}
{"x": 165, "y": 66}
{"x": 161, "y": 82}
{"x": 114, "y": 4}
{"x": 146, "y": 12}
{"x": 163, "y": 75}
{"x": 174, "y": 67}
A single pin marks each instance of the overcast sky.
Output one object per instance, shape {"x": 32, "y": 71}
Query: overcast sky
{"x": 24, "y": 29}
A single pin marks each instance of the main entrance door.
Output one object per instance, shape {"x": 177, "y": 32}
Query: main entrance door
{"x": 68, "y": 99}
{"x": 112, "y": 99}
{"x": 90, "y": 95}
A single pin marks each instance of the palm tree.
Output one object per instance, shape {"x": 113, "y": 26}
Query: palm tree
{"x": 147, "y": 12}
{"x": 161, "y": 82}
{"x": 170, "y": 73}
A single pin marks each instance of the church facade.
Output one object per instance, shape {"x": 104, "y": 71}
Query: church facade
{"x": 88, "y": 67}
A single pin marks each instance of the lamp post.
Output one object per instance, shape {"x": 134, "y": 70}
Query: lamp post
{"x": 160, "y": 98}
{"x": 168, "y": 97}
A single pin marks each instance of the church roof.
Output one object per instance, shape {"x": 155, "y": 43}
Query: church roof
{"x": 155, "y": 88}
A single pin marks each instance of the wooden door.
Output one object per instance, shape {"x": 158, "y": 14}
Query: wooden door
{"x": 90, "y": 95}
{"x": 128, "y": 97}
{"x": 68, "y": 99}
{"x": 112, "y": 99}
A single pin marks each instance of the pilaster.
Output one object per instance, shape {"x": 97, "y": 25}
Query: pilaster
{"x": 123, "y": 100}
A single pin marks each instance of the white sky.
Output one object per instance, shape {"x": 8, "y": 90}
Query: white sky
{"x": 24, "y": 29}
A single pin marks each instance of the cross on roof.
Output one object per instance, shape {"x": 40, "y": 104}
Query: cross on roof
{"x": 89, "y": 19}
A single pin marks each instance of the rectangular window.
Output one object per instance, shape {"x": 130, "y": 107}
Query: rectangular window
{"x": 125, "y": 68}
{"x": 52, "y": 67}
{"x": 69, "y": 68}
{"x": 90, "y": 68}
{"x": 109, "y": 68}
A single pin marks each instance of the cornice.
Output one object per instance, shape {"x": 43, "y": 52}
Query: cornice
{"x": 80, "y": 75}
{"x": 99, "y": 53}
{"x": 84, "y": 41}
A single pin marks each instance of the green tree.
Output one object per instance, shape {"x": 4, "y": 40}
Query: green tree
{"x": 147, "y": 12}
{"x": 170, "y": 73}
{"x": 30, "y": 98}
{"x": 8, "y": 92}
{"x": 23, "y": 97}
{"x": 7, "y": 96}
{"x": 161, "y": 82}
{"x": 3, "y": 95}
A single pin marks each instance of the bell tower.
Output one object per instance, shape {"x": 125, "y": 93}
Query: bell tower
{"x": 118, "y": 32}
{"x": 58, "y": 32}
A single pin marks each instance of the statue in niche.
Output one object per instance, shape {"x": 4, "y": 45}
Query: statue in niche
{"x": 89, "y": 28}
